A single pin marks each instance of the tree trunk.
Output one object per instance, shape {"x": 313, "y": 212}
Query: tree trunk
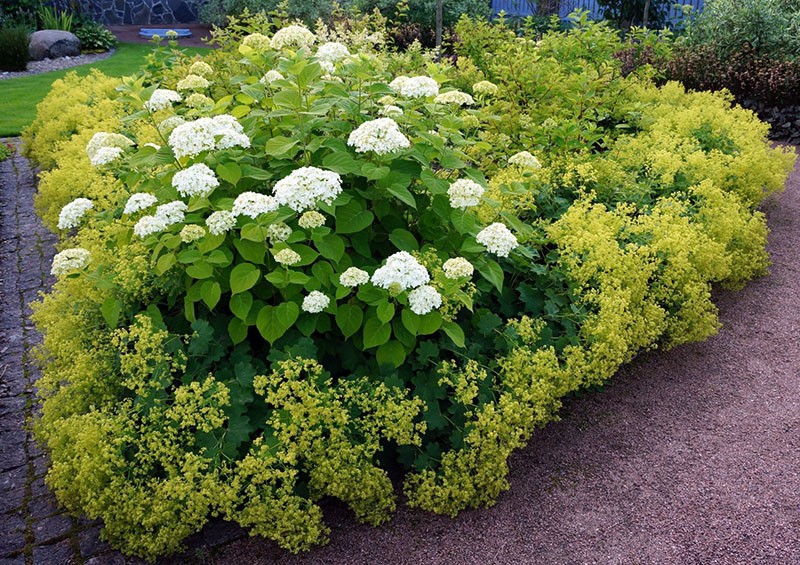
{"x": 439, "y": 29}
{"x": 646, "y": 14}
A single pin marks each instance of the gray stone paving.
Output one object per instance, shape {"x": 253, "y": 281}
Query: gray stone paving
{"x": 33, "y": 528}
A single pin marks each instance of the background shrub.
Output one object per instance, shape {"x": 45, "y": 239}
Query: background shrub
{"x": 14, "y": 55}
{"x": 94, "y": 36}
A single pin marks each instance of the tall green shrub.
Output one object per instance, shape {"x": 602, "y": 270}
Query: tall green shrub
{"x": 14, "y": 55}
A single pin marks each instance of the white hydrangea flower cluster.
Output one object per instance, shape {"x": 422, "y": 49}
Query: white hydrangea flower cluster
{"x": 311, "y": 219}
{"x": 454, "y": 97}
{"x": 148, "y": 225}
{"x": 270, "y": 77}
{"x": 497, "y": 239}
{"x": 457, "y": 267}
{"x": 329, "y": 69}
{"x": 206, "y": 134}
{"x": 193, "y": 82}
{"x": 391, "y": 110}
{"x": 257, "y": 42}
{"x": 105, "y": 147}
{"x": 424, "y": 299}
{"x": 252, "y": 204}
{"x": 167, "y": 126}
{"x": 464, "y": 193}
{"x": 105, "y": 155}
{"x": 161, "y": 99}
{"x": 220, "y": 222}
{"x": 278, "y": 231}
{"x": 166, "y": 215}
{"x": 401, "y": 269}
{"x": 192, "y": 232}
{"x": 69, "y": 260}
{"x": 201, "y": 68}
{"x": 197, "y": 100}
{"x": 354, "y": 276}
{"x": 415, "y": 87}
{"x": 315, "y": 302}
{"x": 306, "y": 186}
{"x": 387, "y": 100}
{"x": 292, "y": 36}
{"x": 197, "y": 180}
{"x": 139, "y": 201}
{"x": 287, "y": 256}
{"x": 484, "y": 88}
{"x": 525, "y": 160}
{"x": 381, "y": 136}
{"x": 71, "y": 214}
{"x": 332, "y": 52}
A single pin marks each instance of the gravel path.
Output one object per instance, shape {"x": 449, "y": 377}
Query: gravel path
{"x": 47, "y": 65}
{"x": 690, "y": 456}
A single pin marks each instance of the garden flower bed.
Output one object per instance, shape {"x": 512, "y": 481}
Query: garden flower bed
{"x": 306, "y": 263}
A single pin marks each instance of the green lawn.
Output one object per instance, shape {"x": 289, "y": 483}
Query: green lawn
{"x": 21, "y": 95}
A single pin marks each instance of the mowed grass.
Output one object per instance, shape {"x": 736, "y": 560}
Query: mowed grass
{"x": 19, "y": 96}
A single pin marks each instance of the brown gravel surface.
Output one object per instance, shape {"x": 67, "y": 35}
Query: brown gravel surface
{"x": 689, "y": 456}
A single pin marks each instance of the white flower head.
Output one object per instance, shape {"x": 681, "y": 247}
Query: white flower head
{"x": 252, "y": 204}
{"x": 485, "y": 88}
{"x": 424, "y": 299}
{"x": 139, "y": 201}
{"x": 390, "y": 110}
{"x": 197, "y": 100}
{"x": 193, "y": 82}
{"x": 161, "y": 99}
{"x": 398, "y": 83}
{"x": 172, "y": 212}
{"x": 387, "y": 100}
{"x": 401, "y": 269}
{"x": 497, "y": 239}
{"x": 464, "y": 193}
{"x": 415, "y": 87}
{"x": 287, "y": 256}
{"x": 167, "y": 126}
{"x": 315, "y": 302}
{"x": 353, "y": 276}
{"x": 381, "y": 136}
{"x": 220, "y": 222}
{"x": 457, "y": 267}
{"x": 71, "y": 214}
{"x": 455, "y": 97}
{"x": 278, "y": 231}
{"x": 201, "y": 68}
{"x": 105, "y": 147}
{"x": 270, "y": 77}
{"x": 70, "y": 260}
{"x": 148, "y": 225}
{"x": 329, "y": 69}
{"x": 197, "y": 180}
{"x": 292, "y": 36}
{"x": 525, "y": 160}
{"x": 105, "y": 155}
{"x": 307, "y": 186}
{"x": 192, "y": 232}
{"x": 257, "y": 42}
{"x": 332, "y": 52}
{"x": 311, "y": 219}
{"x": 206, "y": 134}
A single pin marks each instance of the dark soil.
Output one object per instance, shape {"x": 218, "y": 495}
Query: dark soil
{"x": 688, "y": 456}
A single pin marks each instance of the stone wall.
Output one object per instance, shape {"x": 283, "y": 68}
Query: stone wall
{"x": 139, "y": 12}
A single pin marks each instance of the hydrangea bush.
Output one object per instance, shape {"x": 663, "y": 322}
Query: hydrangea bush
{"x": 285, "y": 292}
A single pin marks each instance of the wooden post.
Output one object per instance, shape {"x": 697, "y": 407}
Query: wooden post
{"x": 439, "y": 29}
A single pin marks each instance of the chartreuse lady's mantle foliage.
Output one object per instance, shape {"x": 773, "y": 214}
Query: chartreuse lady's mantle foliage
{"x": 302, "y": 264}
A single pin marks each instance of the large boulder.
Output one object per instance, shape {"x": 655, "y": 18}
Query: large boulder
{"x": 52, "y": 44}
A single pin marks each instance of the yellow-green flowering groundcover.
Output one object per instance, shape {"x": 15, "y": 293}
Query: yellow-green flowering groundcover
{"x": 307, "y": 263}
